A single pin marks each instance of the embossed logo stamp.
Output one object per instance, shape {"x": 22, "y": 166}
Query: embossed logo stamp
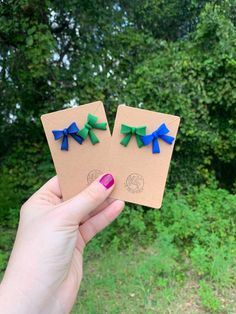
{"x": 93, "y": 175}
{"x": 134, "y": 183}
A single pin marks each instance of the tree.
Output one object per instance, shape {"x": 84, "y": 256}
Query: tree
{"x": 173, "y": 56}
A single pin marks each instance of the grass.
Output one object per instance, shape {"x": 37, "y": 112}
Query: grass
{"x": 150, "y": 280}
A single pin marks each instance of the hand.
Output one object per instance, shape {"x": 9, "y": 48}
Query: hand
{"x": 45, "y": 267}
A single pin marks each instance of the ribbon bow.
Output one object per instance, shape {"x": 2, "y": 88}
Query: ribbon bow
{"x": 89, "y": 125}
{"x": 129, "y": 131}
{"x": 159, "y": 133}
{"x": 71, "y": 130}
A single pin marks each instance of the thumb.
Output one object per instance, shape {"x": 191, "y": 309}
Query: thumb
{"x": 89, "y": 199}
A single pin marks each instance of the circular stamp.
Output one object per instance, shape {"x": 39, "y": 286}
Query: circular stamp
{"x": 93, "y": 175}
{"x": 134, "y": 183}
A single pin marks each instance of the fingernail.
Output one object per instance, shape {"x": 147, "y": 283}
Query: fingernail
{"x": 107, "y": 180}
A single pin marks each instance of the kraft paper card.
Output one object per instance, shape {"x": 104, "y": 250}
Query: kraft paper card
{"x": 141, "y": 174}
{"x": 80, "y": 164}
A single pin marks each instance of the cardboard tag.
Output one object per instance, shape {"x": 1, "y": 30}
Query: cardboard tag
{"x": 81, "y": 164}
{"x": 141, "y": 175}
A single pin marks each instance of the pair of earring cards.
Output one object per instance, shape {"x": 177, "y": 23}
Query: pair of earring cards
{"x": 137, "y": 154}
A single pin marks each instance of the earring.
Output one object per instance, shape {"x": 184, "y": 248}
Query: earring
{"x": 72, "y": 130}
{"x": 153, "y": 138}
{"x": 128, "y": 131}
{"x": 89, "y": 125}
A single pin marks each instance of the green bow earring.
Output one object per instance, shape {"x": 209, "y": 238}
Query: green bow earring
{"x": 89, "y": 125}
{"x": 128, "y": 131}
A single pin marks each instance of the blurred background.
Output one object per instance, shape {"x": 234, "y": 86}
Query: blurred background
{"x": 176, "y": 57}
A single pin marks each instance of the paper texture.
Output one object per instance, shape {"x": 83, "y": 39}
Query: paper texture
{"x": 81, "y": 164}
{"x": 140, "y": 175}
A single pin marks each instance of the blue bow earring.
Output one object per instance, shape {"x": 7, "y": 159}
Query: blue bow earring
{"x": 72, "y": 130}
{"x": 153, "y": 138}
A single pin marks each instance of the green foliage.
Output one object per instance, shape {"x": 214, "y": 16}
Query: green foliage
{"x": 196, "y": 80}
{"x": 22, "y": 174}
{"x": 167, "y": 20}
{"x": 161, "y": 265}
{"x": 3, "y": 261}
{"x": 217, "y": 264}
{"x": 200, "y": 224}
{"x": 208, "y": 298}
{"x": 193, "y": 233}
{"x": 6, "y": 243}
{"x": 138, "y": 279}
{"x": 145, "y": 280}
{"x": 155, "y": 256}
{"x": 168, "y": 56}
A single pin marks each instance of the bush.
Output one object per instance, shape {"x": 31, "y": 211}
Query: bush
{"x": 6, "y": 243}
{"x": 27, "y": 167}
{"x": 200, "y": 225}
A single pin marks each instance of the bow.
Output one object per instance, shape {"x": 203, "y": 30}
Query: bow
{"x": 71, "y": 130}
{"x": 159, "y": 133}
{"x": 129, "y": 131}
{"x": 89, "y": 125}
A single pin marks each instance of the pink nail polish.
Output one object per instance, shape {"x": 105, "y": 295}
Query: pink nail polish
{"x": 107, "y": 180}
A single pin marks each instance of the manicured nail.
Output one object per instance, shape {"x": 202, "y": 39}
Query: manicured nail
{"x": 107, "y": 180}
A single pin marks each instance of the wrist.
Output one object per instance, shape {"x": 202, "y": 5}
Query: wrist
{"x": 12, "y": 300}
{"x": 18, "y": 298}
